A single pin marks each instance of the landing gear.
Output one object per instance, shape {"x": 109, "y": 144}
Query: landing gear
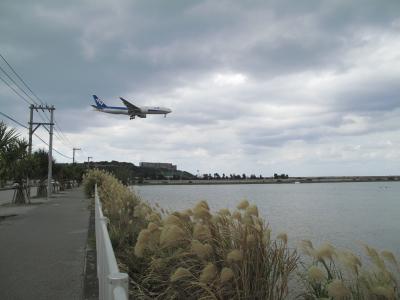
{"x": 132, "y": 117}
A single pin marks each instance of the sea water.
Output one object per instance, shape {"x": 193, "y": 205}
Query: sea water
{"x": 345, "y": 214}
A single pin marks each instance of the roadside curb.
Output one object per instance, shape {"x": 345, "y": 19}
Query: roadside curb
{"x": 90, "y": 282}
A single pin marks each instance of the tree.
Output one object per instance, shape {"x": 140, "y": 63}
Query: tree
{"x": 40, "y": 170}
{"x": 8, "y": 137}
{"x": 19, "y": 167}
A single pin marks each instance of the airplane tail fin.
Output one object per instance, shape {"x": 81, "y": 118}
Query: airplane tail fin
{"x": 99, "y": 103}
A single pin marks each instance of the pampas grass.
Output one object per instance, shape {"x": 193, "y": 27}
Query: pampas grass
{"x": 227, "y": 256}
{"x": 243, "y": 205}
{"x": 227, "y": 274}
{"x": 316, "y": 274}
{"x": 209, "y": 272}
{"x": 337, "y": 289}
{"x": 342, "y": 274}
{"x": 234, "y": 256}
{"x": 171, "y": 236}
{"x": 203, "y": 251}
{"x": 180, "y": 274}
{"x": 198, "y": 254}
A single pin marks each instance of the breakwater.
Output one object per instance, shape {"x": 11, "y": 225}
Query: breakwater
{"x": 271, "y": 180}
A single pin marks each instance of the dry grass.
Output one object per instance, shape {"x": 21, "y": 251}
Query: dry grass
{"x": 342, "y": 274}
{"x": 198, "y": 254}
{"x": 126, "y": 214}
{"x": 221, "y": 256}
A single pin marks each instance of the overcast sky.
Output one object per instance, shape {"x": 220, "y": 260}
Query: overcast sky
{"x": 298, "y": 87}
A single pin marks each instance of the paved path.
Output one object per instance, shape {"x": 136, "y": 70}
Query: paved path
{"x": 42, "y": 249}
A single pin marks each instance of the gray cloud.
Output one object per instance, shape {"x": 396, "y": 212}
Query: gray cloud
{"x": 242, "y": 77}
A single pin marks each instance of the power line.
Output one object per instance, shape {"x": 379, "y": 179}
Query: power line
{"x": 54, "y": 149}
{"x": 20, "y": 78}
{"x": 62, "y": 134}
{"x": 16, "y": 84}
{"x": 24, "y": 83}
{"x": 19, "y": 87}
{"x": 15, "y": 121}
{"x": 20, "y": 124}
{"x": 22, "y": 97}
{"x": 58, "y": 132}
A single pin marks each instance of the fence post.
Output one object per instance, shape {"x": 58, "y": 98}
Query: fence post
{"x": 117, "y": 280}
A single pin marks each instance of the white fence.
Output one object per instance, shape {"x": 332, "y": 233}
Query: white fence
{"x": 113, "y": 285}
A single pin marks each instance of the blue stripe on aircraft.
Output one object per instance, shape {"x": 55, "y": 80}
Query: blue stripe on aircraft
{"x": 114, "y": 107}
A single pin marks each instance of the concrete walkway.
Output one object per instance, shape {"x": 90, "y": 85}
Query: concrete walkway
{"x": 42, "y": 249}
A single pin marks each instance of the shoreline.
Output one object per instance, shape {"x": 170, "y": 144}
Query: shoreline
{"x": 291, "y": 180}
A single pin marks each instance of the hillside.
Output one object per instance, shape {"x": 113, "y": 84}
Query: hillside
{"x": 129, "y": 173}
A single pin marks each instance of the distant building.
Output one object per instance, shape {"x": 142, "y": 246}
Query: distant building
{"x": 158, "y": 165}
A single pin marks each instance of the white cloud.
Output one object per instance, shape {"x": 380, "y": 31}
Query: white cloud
{"x": 229, "y": 79}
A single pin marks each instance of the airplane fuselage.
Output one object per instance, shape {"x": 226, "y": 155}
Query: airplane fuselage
{"x": 116, "y": 110}
{"x": 129, "y": 109}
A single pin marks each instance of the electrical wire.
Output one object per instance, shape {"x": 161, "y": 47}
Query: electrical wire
{"x": 22, "y": 125}
{"x": 20, "y": 78}
{"x": 22, "y": 97}
{"x": 12, "y": 119}
{"x": 54, "y": 149}
{"x": 16, "y": 84}
{"x": 57, "y": 130}
{"x": 58, "y": 133}
{"x": 21, "y": 89}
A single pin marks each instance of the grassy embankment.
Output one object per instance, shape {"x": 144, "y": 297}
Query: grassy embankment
{"x": 197, "y": 254}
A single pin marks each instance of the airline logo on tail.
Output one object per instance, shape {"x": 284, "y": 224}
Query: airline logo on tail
{"x": 99, "y": 103}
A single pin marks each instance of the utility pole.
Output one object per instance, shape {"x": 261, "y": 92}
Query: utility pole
{"x": 50, "y": 173}
{"x": 28, "y": 183}
{"x": 89, "y": 157}
{"x": 32, "y": 131}
{"x": 73, "y": 154}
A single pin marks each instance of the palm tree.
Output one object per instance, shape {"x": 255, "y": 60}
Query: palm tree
{"x": 14, "y": 161}
{"x": 19, "y": 166}
{"x": 8, "y": 137}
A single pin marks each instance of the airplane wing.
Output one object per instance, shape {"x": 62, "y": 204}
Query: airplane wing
{"x": 132, "y": 109}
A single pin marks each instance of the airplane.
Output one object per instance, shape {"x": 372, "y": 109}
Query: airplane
{"x": 129, "y": 109}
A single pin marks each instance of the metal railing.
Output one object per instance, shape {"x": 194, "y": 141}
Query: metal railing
{"x": 113, "y": 285}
